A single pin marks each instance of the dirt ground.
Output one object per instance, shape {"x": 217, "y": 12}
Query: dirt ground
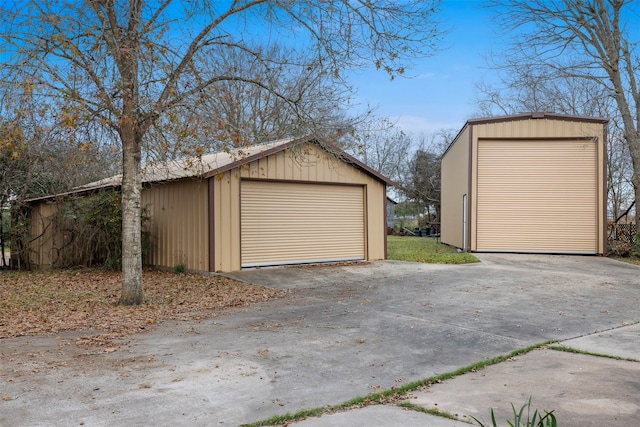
{"x": 62, "y": 320}
{"x": 84, "y": 302}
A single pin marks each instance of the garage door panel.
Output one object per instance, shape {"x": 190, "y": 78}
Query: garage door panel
{"x": 537, "y": 196}
{"x": 288, "y": 223}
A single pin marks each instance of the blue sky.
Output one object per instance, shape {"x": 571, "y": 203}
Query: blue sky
{"x": 441, "y": 92}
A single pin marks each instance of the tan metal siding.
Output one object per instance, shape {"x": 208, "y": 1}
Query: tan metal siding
{"x": 454, "y": 183}
{"x": 306, "y": 163}
{"x": 537, "y": 128}
{"x": 537, "y": 196}
{"x": 179, "y": 224}
{"x": 293, "y": 222}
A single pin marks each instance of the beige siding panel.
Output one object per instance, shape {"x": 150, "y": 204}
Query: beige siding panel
{"x": 227, "y": 223}
{"x": 537, "y": 196}
{"x": 293, "y": 222}
{"x": 455, "y": 184}
{"x": 179, "y": 230}
{"x": 537, "y": 128}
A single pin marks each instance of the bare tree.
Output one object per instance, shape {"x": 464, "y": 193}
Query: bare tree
{"x": 620, "y": 194}
{"x": 421, "y": 180}
{"x": 590, "y": 39}
{"x": 128, "y": 64}
{"x": 526, "y": 87}
{"x": 235, "y": 113}
{"x": 384, "y": 147}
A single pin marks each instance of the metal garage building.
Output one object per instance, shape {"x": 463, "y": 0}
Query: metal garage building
{"x": 526, "y": 183}
{"x": 286, "y": 202}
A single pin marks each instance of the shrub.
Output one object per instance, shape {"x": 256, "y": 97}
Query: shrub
{"x": 621, "y": 249}
{"x": 89, "y": 231}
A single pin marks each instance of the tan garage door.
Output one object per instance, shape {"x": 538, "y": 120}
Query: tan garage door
{"x": 293, "y": 223}
{"x": 537, "y": 196}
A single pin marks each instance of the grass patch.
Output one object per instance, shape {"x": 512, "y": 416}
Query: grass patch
{"x": 425, "y": 249}
{"x": 431, "y": 411}
{"x": 589, "y": 353}
{"x": 394, "y": 394}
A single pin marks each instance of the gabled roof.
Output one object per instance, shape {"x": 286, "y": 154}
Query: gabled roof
{"x": 536, "y": 115}
{"x": 524, "y": 116}
{"x": 213, "y": 164}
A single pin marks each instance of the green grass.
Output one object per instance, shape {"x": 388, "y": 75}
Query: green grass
{"x": 432, "y": 411}
{"x": 425, "y": 249}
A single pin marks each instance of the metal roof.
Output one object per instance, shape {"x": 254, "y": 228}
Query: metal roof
{"x": 188, "y": 167}
{"x": 216, "y": 163}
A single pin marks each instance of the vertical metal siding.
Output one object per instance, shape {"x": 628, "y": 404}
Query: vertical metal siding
{"x": 455, "y": 182}
{"x": 46, "y": 240}
{"x": 179, "y": 224}
{"x": 537, "y": 196}
{"x": 293, "y": 222}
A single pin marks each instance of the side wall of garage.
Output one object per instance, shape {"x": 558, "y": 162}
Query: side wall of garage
{"x": 304, "y": 164}
{"x": 179, "y": 223}
{"x": 454, "y": 194}
{"x": 44, "y": 240}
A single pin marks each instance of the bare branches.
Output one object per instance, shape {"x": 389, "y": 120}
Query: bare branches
{"x": 151, "y": 59}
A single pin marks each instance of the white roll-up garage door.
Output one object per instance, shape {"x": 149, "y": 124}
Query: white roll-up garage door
{"x": 294, "y": 223}
{"x": 537, "y": 196}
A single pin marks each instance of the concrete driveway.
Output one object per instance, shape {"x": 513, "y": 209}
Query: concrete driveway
{"x": 342, "y": 332}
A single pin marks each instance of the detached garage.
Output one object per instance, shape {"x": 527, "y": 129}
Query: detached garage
{"x": 286, "y": 202}
{"x": 526, "y": 183}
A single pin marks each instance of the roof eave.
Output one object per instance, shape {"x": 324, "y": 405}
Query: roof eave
{"x": 536, "y": 115}
{"x": 78, "y": 192}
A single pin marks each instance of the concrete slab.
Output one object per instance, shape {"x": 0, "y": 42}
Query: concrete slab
{"x": 380, "y": 416}
{"x": 621, "y": 342}
{"x": 582, "y": 390}
{"x": 342, "y": 332}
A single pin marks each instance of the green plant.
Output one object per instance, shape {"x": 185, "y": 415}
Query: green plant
{"x": 88, "y": 231}
{"x": 532, "y": 420}
{"x": 179, "y": 268}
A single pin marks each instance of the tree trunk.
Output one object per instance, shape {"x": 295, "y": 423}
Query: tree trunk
{"x": 132, "y": 293}
{"x": 3, "y": 263}
{"x": 634, "y": 148}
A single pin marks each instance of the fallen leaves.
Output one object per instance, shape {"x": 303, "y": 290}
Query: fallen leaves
{"x": 33, "y": 303}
